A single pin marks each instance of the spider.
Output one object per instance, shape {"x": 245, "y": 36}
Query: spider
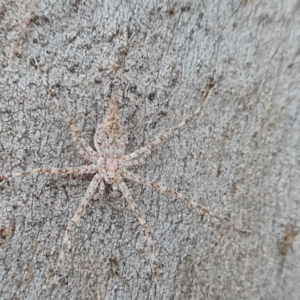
{"x": 109, "y": 166}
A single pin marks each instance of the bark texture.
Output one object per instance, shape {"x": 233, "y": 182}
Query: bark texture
{"x": 240, "y": 158}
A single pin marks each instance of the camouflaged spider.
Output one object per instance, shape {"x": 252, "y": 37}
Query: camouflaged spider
{"x": 109, "y": 166}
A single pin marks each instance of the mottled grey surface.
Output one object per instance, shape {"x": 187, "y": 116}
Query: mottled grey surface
{"x": 240, "y": 158}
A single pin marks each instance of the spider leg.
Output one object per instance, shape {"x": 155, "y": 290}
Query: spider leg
{"x": 134, "y": 162}
{"x": 49, "y": 170}
{"x": 84, "y": 202}
{"x": 134, "y": 177}
{"x": 84, "y": 148}
{"x": 101, "y": 190}
{"x": 146, "y": 149}
{"x": 137, "y": 213}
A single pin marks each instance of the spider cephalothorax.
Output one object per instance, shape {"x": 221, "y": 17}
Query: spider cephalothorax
{"x": 110, "y": 140}
{"x": 109, "y": 164}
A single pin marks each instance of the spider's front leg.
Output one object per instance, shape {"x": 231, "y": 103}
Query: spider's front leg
{"x": 161, "y": 188}
{"x": 91, "y": 169}
{"x": 141, "y": 219}
{"x": 85, "y": 200}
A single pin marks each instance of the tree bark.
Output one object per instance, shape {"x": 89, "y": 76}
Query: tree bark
{"x": 240, "y": 158}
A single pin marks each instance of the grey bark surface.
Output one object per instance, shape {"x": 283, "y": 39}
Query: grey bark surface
{"x": 240, "y": 158}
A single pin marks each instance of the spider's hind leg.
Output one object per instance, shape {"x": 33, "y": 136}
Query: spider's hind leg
{"x": 83, "y": 147}
{"x": 142, "y": 151}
